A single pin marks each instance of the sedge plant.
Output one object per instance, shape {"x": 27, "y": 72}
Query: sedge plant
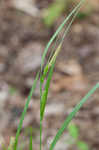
{"x": 47, "y": 72}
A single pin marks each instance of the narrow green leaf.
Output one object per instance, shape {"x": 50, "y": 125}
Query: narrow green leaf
{"x": 40, "y": 132}
{"x": 44, "y": 74}
{"x": 24, "y": 111}
{"x": 43, "y": 97}
{"x": 58, "y": 30}
{"x": 30, "y": 141}
{"x": 42, "y": 77}
{"x": 45, "y": 92}
{"x": 58, "y": 48}
{"x": 71, "y": 116}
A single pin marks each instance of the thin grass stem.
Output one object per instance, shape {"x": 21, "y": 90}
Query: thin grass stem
{"x": 24, "y": 111}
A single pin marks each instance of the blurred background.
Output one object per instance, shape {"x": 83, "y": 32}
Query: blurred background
{"x": 25, "y": 28}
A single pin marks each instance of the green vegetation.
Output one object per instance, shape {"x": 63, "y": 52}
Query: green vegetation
{"x": 54, "y": 11}
{"x": 12, "y": 140}
{"x": 74, "y": 139}
{"x": 58, "y": 7}
{"x": 47, "y": 73}
{"x": 30, "y": 142}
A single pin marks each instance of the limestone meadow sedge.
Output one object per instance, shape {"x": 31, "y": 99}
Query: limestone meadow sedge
{"x": 47, "y": 73}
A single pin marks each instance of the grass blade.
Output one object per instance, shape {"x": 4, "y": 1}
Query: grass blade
{"x": 30, "y": 141}
{"x": 71, "y": 116}
{"x": 53, "y": 54}
{"x": 24, "y": 111}
{"x": 40, "y": 132}
{"x": 58, "y": 49}
{"x": 58, "y": 30}
{"x": 42, "y": 77}
{"x": 45, "y": 92}
{"x": 44, "y": 99}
